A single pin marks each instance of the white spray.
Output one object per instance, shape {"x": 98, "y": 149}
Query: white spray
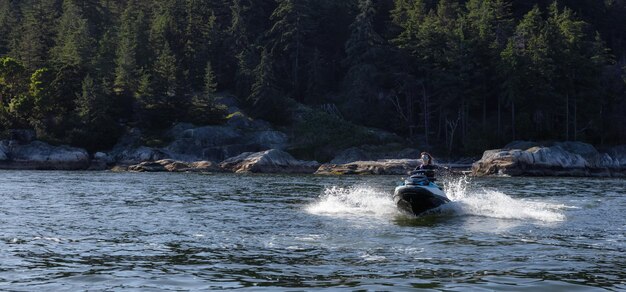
{"x": 370, "y": 202}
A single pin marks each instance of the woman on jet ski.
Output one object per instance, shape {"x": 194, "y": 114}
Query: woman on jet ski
{"x": 427, "y": 167}
{"x": 427, "y": 161}
{"x": 427, "y": 164}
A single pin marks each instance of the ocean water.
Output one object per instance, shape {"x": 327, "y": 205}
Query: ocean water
{"x": 103, "y": 231}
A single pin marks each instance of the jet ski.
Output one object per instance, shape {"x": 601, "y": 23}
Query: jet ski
{"x": 419, "y": 193}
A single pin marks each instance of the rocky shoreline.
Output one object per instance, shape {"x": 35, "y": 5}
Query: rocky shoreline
{"x": 523, "y": 158}
{"x": 245, "y": 148}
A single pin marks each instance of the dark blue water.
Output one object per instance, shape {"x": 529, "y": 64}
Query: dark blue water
{"x": 125, "y": 231}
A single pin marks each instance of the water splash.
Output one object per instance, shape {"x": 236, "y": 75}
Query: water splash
{"x": 495, "y": 204}
{"x": 357, "y": 200}
{"x": 369, "y": 201}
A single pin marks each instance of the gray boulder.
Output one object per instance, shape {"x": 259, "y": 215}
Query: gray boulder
{"x": 139, "y": 154}
{"x": 372, "y": 153}
{"x": 171, "y": 165}
{"x": 216, "y": 143}
{"x": 618, "y": 154}
{"x": 268, "y": 139}
{"x": 4, "y": 150}
{"x": 219, "y": 153}
{"x": 561, "y": 159}
{"x": 100, "y": 161}
{"x": 194, "y": 141}
{"x": 240, "y": 121}
{"x": 128, "y": 150}
{"x": 23, "y": 136}
{"x": 147, "y": 166}
{"x": 522, "y": 145}
{"x": 378, "y": 167}
{"x": 270, "y": 161}
{"x": 40, "y": 155}
{"x": 351, "y": 155}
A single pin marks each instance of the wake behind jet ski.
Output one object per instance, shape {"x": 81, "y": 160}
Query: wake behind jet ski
{"x": 420, "y": 193}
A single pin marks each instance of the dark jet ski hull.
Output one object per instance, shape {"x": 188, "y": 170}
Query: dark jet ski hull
{"x": 417, "y": 200}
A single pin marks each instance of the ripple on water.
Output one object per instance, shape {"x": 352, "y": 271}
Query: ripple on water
{"x": 108, "y": 231}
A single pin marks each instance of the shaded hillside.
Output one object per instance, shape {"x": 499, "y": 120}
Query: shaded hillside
{"x": 459, "y": 75}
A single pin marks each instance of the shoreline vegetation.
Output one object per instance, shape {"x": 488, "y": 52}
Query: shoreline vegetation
{"x": 333, "y": 87}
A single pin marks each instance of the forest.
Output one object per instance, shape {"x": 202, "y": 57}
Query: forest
{"x": 462, "y": 75}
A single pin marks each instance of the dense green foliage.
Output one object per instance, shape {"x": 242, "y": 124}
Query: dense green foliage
{"x": 463, "y": 75}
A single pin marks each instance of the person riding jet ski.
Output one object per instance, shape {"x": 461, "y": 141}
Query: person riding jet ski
{"x": 427, "y": 166}
{"x": 419, "y": 193}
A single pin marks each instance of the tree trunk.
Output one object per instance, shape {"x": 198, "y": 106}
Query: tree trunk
{"x": 567, "y": 117}
{"x": 484, "y": 114}
{"x": 499, "y": 121}
{"x": 425, "y": 101}
{"x": 575, "y": 124}
{"x": 513, "y": 118}
{"x": 410, "y": 110}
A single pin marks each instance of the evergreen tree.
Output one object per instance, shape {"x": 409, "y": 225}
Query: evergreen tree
{"x": 165, "y": 73}
{"x": 445, "y": 70}
{"x": 90, "y": 104}
{"x": 489, "y": 24}
{"x": 96, "y": 129}
{"x": 103, "y": 62}
{"x": 528, "y": 68}
{"x": 74, "y": 42}
{"x": 266, "y": 98}
{"x": 292, "y": 25}
{"x": 126, "y": 55}
{"x": 400, "y": 12}
{"x": 363, "y": 44}
{"x": 10, "y": 18}
{"x": 37, "y": 33}
{"x": 243, "y": 47}
{"x": 363, "y": 49}
{"x": 198, "y": 36}
{"x": 210, "y": 85}
{"x": 579, "y": 59}
{"x": 203, "y": 109}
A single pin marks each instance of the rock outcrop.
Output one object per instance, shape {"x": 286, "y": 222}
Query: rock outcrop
{"x": 554, "y": 159}
{"x": 40, "y": 155}
{"x": 270, "y": 161}
{"x": 372, "y": 153}
{"x": 379, "y": 167}
{"x": 170, "y": 165}
{"x": 216, "y": 143}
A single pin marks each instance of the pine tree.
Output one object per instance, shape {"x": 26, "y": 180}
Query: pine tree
{"x": 126, "y": 55}
{"x": 90, "y": 106}
{"x": 210, "y": 85}
{"x": 203, "y": 108}
{"x": 289, "y": 34}
{"x": 165, "y": 68}
{"x": 103, "y": 62}
{"x": 363, "y": 51}
{"x": 363, "y": 44}
{"x": 527, "y": 66}
{"x": 243, "y": 48}
{"x": 198, "y": 36}
{"x": 266, "y": 98}
{"x": 96, "y": 129}
{"x": 37, "y": 33}
{"x": 579, "y": 59}
{"x": 10, "y": 18}
{"x": 400, "y": 12}
{"x": 74, "y": 42}
{"x": 247, "y": 28}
